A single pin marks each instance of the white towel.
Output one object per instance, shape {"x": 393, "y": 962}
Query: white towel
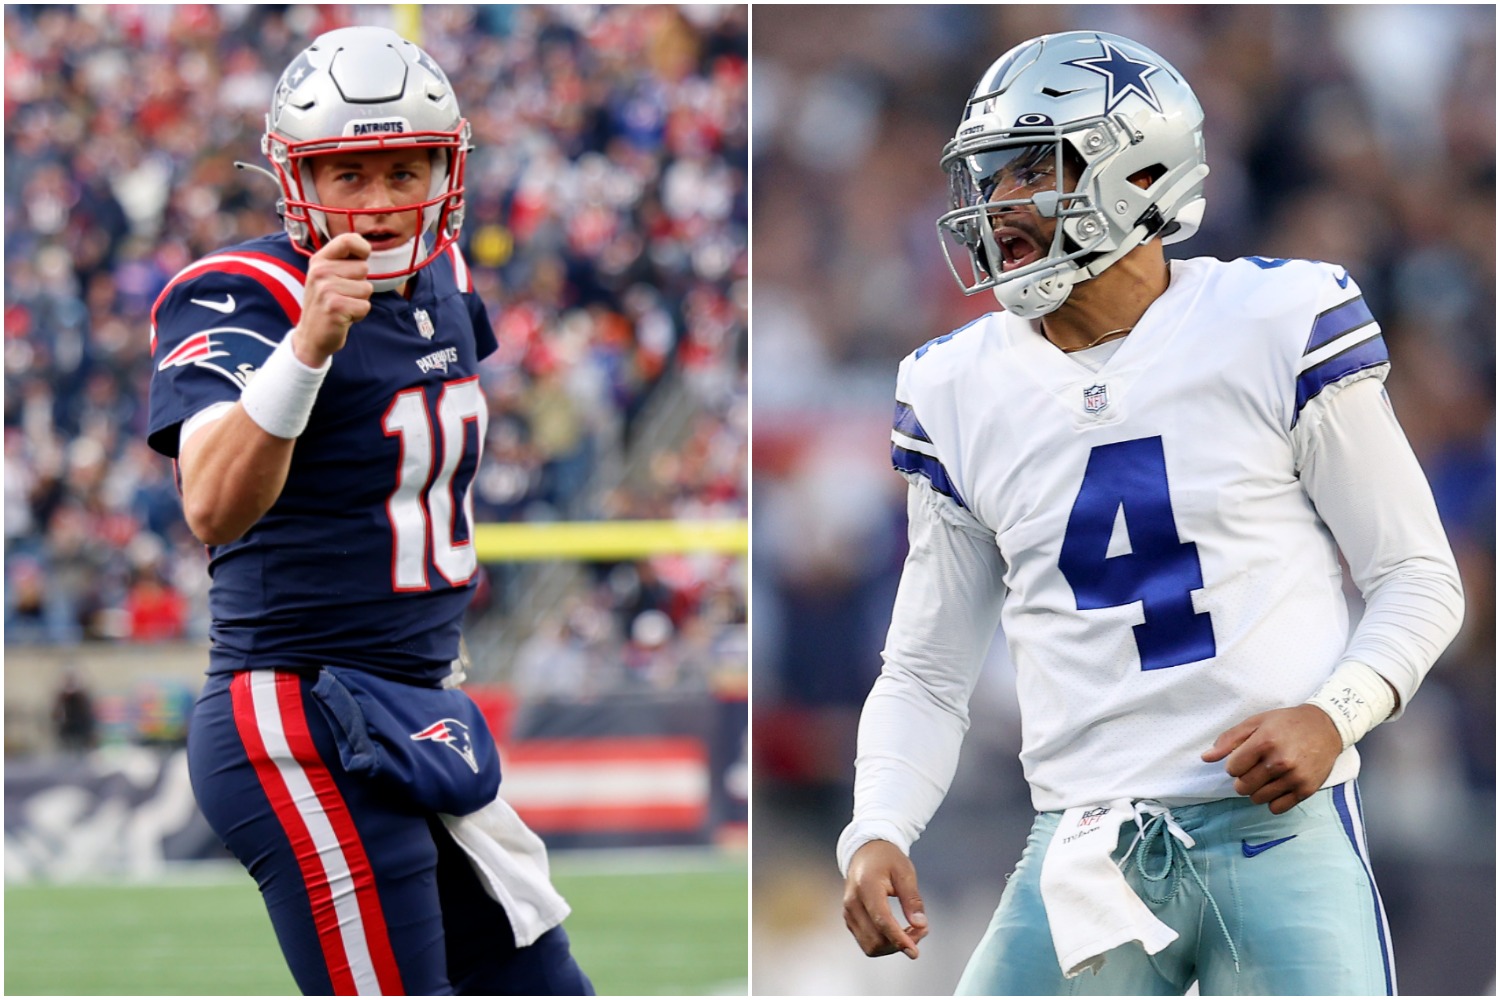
{"x": 1090, "y": 906}
{"x": 511, "y": 861}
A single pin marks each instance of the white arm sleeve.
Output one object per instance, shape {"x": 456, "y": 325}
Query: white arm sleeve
{"x": 1360, "y": 472}
{"x": 946, "y": 613}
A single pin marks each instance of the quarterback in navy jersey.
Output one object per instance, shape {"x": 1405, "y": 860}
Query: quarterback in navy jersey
{"x": 1145, "y": 471}
{"x": 319, "y": 390}
{"x": 362, "y": 579}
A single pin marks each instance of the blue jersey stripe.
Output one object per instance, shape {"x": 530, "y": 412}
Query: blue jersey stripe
{"x": 906, "y": 460}
{"x": 1334, "y": 323}
{"x": 1365, "y": 354}
{"x": 1341, "y": 804}
{"x": 906, "y": 423}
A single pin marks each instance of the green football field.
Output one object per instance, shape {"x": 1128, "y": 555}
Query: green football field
{"x": 643, "y": 923}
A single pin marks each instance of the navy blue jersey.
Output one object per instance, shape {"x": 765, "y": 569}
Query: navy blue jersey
{"x": 365, "y": 560}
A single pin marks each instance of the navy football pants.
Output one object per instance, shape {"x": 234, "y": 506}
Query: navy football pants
{"x": 368, "y": 895}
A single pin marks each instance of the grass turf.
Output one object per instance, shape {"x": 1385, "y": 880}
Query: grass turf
{"x": 643, "y": 925}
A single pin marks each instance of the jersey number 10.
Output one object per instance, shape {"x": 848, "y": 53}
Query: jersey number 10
{"x": 420, "y": 511}
{"x": 1129, "y": 478}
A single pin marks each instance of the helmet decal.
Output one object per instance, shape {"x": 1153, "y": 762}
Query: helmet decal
{"x": 1126, "y": 76}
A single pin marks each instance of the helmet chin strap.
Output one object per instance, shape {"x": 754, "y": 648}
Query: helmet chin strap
{"x": 1035, "y": 296}
{"x": 395, "y": 259}
{"x": 1041, "y": 294}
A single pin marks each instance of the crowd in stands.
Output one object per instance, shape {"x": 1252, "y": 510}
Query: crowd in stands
{"x": 1357, "y": 134}
{"x": 606, "y": 231}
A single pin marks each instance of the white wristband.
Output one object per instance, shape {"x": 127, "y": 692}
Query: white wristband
{"x": 281, "y": 394}
{"x": 1357, "y": 699}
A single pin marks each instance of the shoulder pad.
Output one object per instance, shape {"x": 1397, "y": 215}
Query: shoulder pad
{"x": 1344, "y": 338}
{"x": 233, "y": 285}
{"x": 945, "y": 338}
{"x": 913, "y": 452}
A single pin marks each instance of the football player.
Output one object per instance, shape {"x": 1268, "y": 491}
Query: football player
{"x": 319, "y": 391}
{"x": 1145, "y": 471}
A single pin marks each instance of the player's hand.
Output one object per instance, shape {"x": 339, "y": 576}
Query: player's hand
{"x": 335, "y": 297}
{"x": 878, "y": 871}
{"x": 1281, "y": 757}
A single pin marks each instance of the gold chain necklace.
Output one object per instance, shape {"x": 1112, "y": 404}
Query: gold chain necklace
{"x": 1093, "y": 343}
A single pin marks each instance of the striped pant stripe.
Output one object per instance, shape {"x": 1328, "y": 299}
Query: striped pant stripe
{"x": 1346, "y": 801}
{"x": 340, "y": 882}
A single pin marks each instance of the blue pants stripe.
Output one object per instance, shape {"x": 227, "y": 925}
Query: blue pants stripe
{"x": 1347, "y": 813}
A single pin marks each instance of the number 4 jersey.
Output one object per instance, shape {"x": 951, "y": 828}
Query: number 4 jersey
{"x": 366, "y": 559}
{"x": 1163, "y": 571}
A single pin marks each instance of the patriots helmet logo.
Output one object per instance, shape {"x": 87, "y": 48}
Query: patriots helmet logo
{"x": 455, "y": 736}
{"x": 233, "y": 352}
{"x": 1125, "y": 76}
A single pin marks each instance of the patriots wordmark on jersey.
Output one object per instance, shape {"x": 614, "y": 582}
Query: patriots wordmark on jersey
{"x": 369, "y": 542}
{"x": 1167, "y": 574}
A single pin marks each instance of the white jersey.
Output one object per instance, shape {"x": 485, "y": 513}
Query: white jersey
{"x": 1166, "y": 574}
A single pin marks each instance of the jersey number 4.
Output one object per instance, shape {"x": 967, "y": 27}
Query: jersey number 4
{"x": 1127, "y": 482}
{"x": 420, "y": 510}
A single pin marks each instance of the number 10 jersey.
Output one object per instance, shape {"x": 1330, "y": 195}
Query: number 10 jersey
{"x": 1166, "y": 574}
{"x": 366, "y": 559}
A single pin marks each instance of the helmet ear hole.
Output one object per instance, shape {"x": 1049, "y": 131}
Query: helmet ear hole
{"x": 1147, "y": 176}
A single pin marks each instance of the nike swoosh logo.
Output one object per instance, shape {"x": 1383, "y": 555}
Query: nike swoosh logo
{"x": 1251, "y": 850}
{"x": 1343, "y": 280}
{"x": 226, "y": 307}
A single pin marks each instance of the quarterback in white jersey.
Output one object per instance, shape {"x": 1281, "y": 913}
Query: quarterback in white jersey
{"x": 1145, "y": 472}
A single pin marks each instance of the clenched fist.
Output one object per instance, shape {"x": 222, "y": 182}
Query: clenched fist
{"x": 336, "y": 296}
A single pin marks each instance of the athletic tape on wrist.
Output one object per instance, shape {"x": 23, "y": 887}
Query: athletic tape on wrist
{"x": 281, "y": 394}
{"x": 1357, "y": 699}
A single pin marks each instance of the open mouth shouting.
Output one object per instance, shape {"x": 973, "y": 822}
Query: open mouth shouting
{"x": 1017, "y": 248}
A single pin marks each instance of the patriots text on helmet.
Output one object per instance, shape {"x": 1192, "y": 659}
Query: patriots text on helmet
{"x": 384, "y": 126}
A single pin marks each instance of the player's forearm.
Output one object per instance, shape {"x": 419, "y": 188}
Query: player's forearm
{"x": 1369, "y": 489}
{"x": 1409, "y": 619}
{"x": 946, "y": 613}
{"x": 906, "y": 758}
{"x": 232, "y": 472}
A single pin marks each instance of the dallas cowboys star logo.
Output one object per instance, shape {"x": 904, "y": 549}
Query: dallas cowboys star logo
{"x": 1126, "y": 76}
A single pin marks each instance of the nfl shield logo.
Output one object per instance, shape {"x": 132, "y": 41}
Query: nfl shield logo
{"x": 1095, "y": 398}
{"x": 424, "y": 324}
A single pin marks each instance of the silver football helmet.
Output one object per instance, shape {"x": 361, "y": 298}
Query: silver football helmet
{"x": 1082, "y": 103}
{"x": 367, "y": 89}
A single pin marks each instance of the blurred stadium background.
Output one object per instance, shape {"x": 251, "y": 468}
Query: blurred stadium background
{"x": 1363, "y": 135}
{"x": 607, "y": 231}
